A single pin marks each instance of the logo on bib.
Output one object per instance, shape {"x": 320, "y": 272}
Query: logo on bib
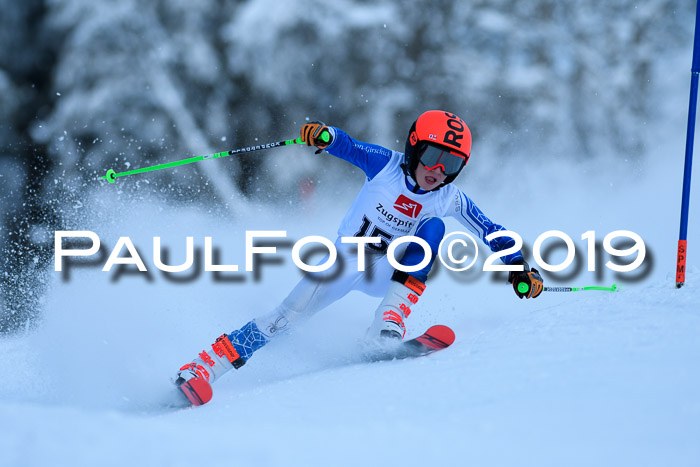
{"x": 407, "y": 206}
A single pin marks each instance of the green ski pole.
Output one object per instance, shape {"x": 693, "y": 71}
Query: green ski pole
{"x": 111, "y": 176}
{"x": 523, "y": 288}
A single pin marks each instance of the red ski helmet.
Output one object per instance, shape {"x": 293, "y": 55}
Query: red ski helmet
{"x": 438, "y": 139}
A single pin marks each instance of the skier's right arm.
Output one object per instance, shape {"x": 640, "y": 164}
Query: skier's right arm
{"x": 371, "y": 158}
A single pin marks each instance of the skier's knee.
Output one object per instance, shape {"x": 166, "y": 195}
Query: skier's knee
{"x": 432, "y": 230}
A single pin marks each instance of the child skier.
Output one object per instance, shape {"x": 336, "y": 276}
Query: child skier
{"x": 404, "y": 194}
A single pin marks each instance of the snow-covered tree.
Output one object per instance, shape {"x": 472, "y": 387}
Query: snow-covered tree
{"x": 571, "y": 79}
{"x": 137, "y": 84}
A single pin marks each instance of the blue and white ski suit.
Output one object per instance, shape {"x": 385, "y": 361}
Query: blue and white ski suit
{"x": 387, "y": 207}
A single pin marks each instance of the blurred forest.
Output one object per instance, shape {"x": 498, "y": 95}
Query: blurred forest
{"x": 87, "y": 85}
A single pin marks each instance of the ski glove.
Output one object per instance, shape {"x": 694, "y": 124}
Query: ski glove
{"x": 526, "y": 283}
{"x": 316, "y": 134}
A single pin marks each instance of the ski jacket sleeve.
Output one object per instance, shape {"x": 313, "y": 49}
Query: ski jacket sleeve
{"x": 469, "y": 215}
{"x": 371, "y": 158}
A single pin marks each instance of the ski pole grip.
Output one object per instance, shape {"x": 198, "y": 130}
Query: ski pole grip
{"x": 325, "y": 137}
{"x": 523, "y": 287}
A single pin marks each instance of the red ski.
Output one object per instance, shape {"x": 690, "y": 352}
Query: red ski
{"x": 436, "y": 338}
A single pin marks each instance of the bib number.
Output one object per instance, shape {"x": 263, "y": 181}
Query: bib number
{"x": 375, "y": 232}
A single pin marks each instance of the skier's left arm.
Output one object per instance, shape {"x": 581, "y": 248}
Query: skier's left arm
{"x": 469, "y": 215}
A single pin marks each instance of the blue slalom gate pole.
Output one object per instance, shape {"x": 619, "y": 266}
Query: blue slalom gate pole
{"x": 689, "y": 141}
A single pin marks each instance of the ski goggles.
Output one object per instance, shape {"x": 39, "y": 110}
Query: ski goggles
{"x": 434, "y": 157}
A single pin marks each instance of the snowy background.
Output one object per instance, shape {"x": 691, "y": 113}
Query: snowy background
{"x": 578, "y": 112}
